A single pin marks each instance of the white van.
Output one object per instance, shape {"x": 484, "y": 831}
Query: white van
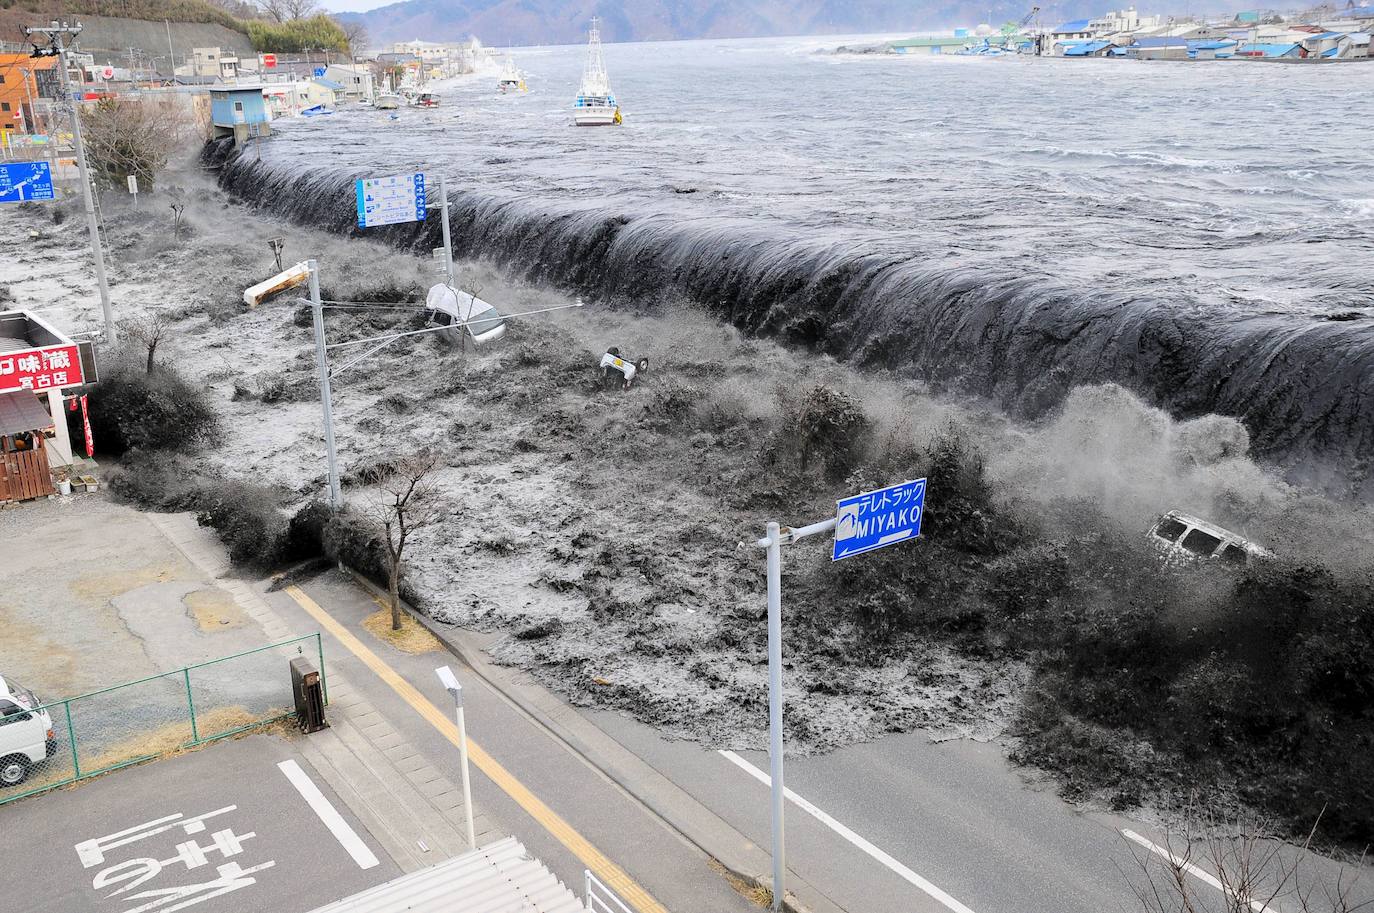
{"x": 26, "y": 736}
{"x": 447, "y": 308}
{"x": 1179, "y": 535}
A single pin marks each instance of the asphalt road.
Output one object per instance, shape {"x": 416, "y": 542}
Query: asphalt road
{"x": 219, "y": 830}
{"x": 904, "y": 825}
{"x": 677, "y": 874}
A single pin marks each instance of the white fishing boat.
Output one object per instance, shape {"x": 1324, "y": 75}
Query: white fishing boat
{"x": 512, "y": 80}
{"x": 596, "y": 105}
{"x": 387, "y": 101}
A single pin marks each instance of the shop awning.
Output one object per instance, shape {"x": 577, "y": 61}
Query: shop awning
{"x": 21, "y": 411}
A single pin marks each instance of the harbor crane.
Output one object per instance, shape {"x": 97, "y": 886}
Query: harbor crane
{"x": 1010, "y": 29}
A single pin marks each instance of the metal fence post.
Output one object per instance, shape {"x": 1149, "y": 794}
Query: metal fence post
{"x": 319, "y": 648}
{"x": 191, "y": 703}
{"x": 71, "y": 740}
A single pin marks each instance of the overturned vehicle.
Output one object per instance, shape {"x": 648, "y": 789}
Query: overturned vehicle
{"x": 1185, "y": 537}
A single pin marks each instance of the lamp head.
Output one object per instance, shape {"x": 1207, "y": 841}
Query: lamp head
{"x": 450, "y": 683}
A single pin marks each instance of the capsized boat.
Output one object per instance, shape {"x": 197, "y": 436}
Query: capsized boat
{"x": 596, "y": 105}
{"x": 512, "y": 80}
{"x": 387, "y": 101}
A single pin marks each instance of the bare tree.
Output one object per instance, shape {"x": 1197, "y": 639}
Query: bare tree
{"x": 288, "y": 10}
{"x": 356, "y": 34}
{"x": 1240, "y": 866}
{"x": 134, "y": 136}
{"x": 148, "y": 331}
{"x": 408, "y": 507}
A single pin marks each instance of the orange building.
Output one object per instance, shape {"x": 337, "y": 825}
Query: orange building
{"x": 24, "y": 80}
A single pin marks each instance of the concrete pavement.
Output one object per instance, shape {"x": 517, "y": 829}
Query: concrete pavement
{"x": 223, "y": 829}
{"x": 673, "y": 872}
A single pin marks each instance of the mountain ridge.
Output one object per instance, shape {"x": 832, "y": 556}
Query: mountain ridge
{"x": 540, "y": 22}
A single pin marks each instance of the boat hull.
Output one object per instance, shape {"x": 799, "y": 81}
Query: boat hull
{"x": 595, "y": 117}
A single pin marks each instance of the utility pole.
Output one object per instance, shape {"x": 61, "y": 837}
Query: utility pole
{"x": 57, "y": 47}
{"x": 326, "y": 396}
{"x": 171, "y": 51}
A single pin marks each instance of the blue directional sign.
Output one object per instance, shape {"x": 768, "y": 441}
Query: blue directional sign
{"x": 876, "y": 519}
{"x": 386, "y": 201}
{"x": 21, "y": 181}
{"x": 319, "y": 71}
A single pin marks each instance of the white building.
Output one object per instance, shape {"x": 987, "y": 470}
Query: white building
{"x": 355, "y": 79}
{"x": 1127, "y": 20}
{"x": 212, "y": 63}
{"x": 427, "y": 51}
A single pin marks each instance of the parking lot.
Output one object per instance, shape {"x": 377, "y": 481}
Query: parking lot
{"x": 240, "y": 826}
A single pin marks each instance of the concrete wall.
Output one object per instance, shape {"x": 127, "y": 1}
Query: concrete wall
{"x": 110, "y": 39}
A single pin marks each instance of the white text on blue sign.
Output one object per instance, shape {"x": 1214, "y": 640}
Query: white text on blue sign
{"x": 876, "y": 519}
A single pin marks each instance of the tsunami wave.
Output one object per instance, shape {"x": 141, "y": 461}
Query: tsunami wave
{"x": 1300, "y": 382}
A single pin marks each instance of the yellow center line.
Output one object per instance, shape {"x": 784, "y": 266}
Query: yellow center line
{"x": 602, "y": 867}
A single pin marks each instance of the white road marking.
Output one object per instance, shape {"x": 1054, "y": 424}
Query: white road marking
{"x": 347, "y": 837}
{"x": 1200, "y": 874}
{"x": 902, "y": 871}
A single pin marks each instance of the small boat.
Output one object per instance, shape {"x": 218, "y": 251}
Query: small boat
{"x": 512, "y": 80}
{"x": 426, "y": 100}
{"x": 387, "y": 101}
{"x": 596, "y": 105}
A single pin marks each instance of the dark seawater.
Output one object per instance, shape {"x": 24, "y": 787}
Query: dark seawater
{"x": 1202, "y": 234}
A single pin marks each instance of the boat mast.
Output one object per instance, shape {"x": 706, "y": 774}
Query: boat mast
{"x": 594, "y": 78}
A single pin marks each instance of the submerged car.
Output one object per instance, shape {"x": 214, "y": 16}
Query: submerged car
{"x": 451, "y": 308}
{"x": 1180, "y": 535}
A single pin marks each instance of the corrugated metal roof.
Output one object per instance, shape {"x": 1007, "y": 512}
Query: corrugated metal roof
{"x": 1268, "y": 50}
{"x": 498, "y": 878}
{"x": 1216, "y": 45}
{"x": 1161, "y": 41}
{"x": 21, "y": 412}
{"x": 1077, "y": 25}
{"x": 1086, "y": 48}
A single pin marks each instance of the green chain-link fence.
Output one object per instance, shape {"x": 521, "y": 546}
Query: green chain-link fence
{"x": 115, "y": 727}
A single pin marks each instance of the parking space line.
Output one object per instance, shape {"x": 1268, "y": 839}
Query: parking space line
{"x": 600, "y": 864}
{"x": 324, "y": 809}
{"x": 902, "y": 871}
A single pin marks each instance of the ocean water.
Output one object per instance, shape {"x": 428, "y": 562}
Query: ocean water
{"x": 1202, "y": 233}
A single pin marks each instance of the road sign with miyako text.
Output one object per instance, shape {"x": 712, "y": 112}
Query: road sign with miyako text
{"x": 387, "y": 201}
{"x": 876, "y": 519}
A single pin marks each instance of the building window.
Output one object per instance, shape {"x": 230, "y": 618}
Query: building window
{"x": 4, "y": 106}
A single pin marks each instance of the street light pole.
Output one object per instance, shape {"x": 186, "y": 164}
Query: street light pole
{"x": 774, "y": 546}
{"x": 773, "y": 542}
{"x": 326, "y": 397}
{"x": 55, "y": 34}
{"x": 443, "y": 219}
{"x": 451, "y": 685}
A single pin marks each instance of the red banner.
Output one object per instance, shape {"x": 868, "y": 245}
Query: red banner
{"x": 86, "y": 423}
{"x": 48, "y": 368}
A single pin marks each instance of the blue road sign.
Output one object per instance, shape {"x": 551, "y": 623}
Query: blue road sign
{"x": 386, "y": 201}
{"x": 876, "y": 519}
{"x": 319, "y": 71}
{"x": 21, "y": 181}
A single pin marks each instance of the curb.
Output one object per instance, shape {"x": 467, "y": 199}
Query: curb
{"x": 740, "y": 857}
